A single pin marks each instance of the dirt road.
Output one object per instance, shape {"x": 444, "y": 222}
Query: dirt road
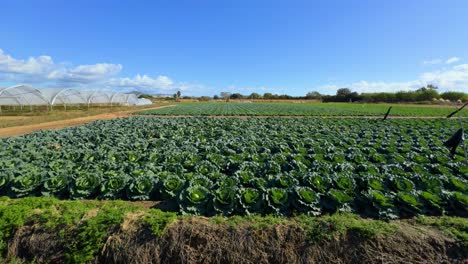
{"x": 20, "y": 130}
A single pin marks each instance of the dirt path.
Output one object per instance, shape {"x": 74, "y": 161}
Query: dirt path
{"x": 20, "y": 130}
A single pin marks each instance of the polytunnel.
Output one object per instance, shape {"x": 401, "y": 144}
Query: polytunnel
{"x": 96, "y": 97}
{"x": 143, "y": 101}
{"x": 123, "y": 99}
{"x": 25, "y": 95}
{"x": 21, "y": 95}
{"x": 64, "y": 97}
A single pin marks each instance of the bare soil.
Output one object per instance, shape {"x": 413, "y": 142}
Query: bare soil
{"x": 197, "y": 240}
{"x": 8, "y": 118}
{"x": 20, "y": 130}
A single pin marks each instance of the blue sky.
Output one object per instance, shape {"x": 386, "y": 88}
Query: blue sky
{"x": 205, "y": 47}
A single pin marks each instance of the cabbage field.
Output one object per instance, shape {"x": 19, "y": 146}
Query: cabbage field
{"x": 381, "y": 169}
{"x": 301, "y": 109}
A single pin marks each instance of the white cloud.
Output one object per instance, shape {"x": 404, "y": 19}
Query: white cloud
{"x": 369, "y": 87}
{"x": 440, "y": 61}
{"x": 32, "y": 66}
{"x": 158, "y": 84}
{"x": 452, "y": 60}
{"x": 143, "y": 82}
{"x": 455, "y": 78}
{"x": 43, "y": 69}
{"x": 432, "y": 62}
{"x": 452, "y": 79}
{"x": 85, "y": 74}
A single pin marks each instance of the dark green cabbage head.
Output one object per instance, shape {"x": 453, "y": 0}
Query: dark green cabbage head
{"x": 224, "y": 200}
{"x": 171, "y": 186}
{"x": 140, "y": 187}
{"x": 195, "y": 200}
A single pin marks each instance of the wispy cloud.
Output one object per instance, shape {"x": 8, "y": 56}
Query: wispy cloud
{"x": 452, "y": 79}
{"x": 441, "y": 61}
{"x": 432, "y": 62}
{"x": 452, "y": 60}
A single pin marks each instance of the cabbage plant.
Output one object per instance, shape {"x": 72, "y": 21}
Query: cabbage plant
{"x": 141, "y": 187}
{"x": 306, "y": 200}
{"x": 85, "y": 185}
{"x": 251, "y": 201}
{"x": 195, "y": 200}
{"x": 56, "y": 185}
{"x": 171, "y": 186}
{"x": 278, "y": 200}
{"x": 224, "y": 200}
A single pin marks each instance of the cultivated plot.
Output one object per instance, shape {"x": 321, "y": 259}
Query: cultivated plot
{"x": 302, "y": 109}
{"x": 396, "y": 168}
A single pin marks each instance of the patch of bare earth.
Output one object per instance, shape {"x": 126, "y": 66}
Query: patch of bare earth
{"x": 14, "y": 118}
{"x": 20, "y": 130}
{"x": 197, "y": 240}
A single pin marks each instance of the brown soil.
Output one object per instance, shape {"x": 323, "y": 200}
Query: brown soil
{"x": 20, "y": 130}
{"x": 9, "y": 118}
{"x": 197, "y": 240}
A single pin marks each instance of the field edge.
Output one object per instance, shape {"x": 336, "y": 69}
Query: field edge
{"x": 50, "y": 230}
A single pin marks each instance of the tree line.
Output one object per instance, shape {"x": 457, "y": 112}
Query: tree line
{"x": 427, "y": 93}
{"x": 423, "y": 94}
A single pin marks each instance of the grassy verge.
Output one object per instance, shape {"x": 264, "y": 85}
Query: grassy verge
{"x": 455, "y": 227}
{"x": 87, "y": 225}
{"x": 15, "y": 117}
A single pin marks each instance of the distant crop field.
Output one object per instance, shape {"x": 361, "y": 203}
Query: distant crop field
{"x": 382, "y": 169}
{"x": 302, "y": 109}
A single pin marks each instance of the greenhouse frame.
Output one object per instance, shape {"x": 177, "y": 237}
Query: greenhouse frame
{"x": 26, "y": 95}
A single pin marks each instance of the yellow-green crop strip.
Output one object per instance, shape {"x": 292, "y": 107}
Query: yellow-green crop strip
{"x": 303, "y": 109}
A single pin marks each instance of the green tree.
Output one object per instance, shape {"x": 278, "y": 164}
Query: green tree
{"x": 204, "y": 98}
{"x": 254, "y": 96}
{"x": 236, "y": 96}
{"x": 313, "y": 95}
{"x": 343, "y": 92}
{"x": 426, "y": 94}
{"x": 454, "y": 96}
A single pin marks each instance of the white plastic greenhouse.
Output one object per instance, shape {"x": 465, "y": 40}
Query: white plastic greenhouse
{"x": 25, "y": 95}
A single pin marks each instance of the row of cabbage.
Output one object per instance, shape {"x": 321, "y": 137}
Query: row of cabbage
{"x": 300, "y": 109}
{"x": 390, "y": 169}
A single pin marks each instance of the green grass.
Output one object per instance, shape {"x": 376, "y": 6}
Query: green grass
{"x": 303, "y": 109}
{"x": 85, "y": 225}
{"x": 317, "y": 228}
{"x": 455, "y": 227}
